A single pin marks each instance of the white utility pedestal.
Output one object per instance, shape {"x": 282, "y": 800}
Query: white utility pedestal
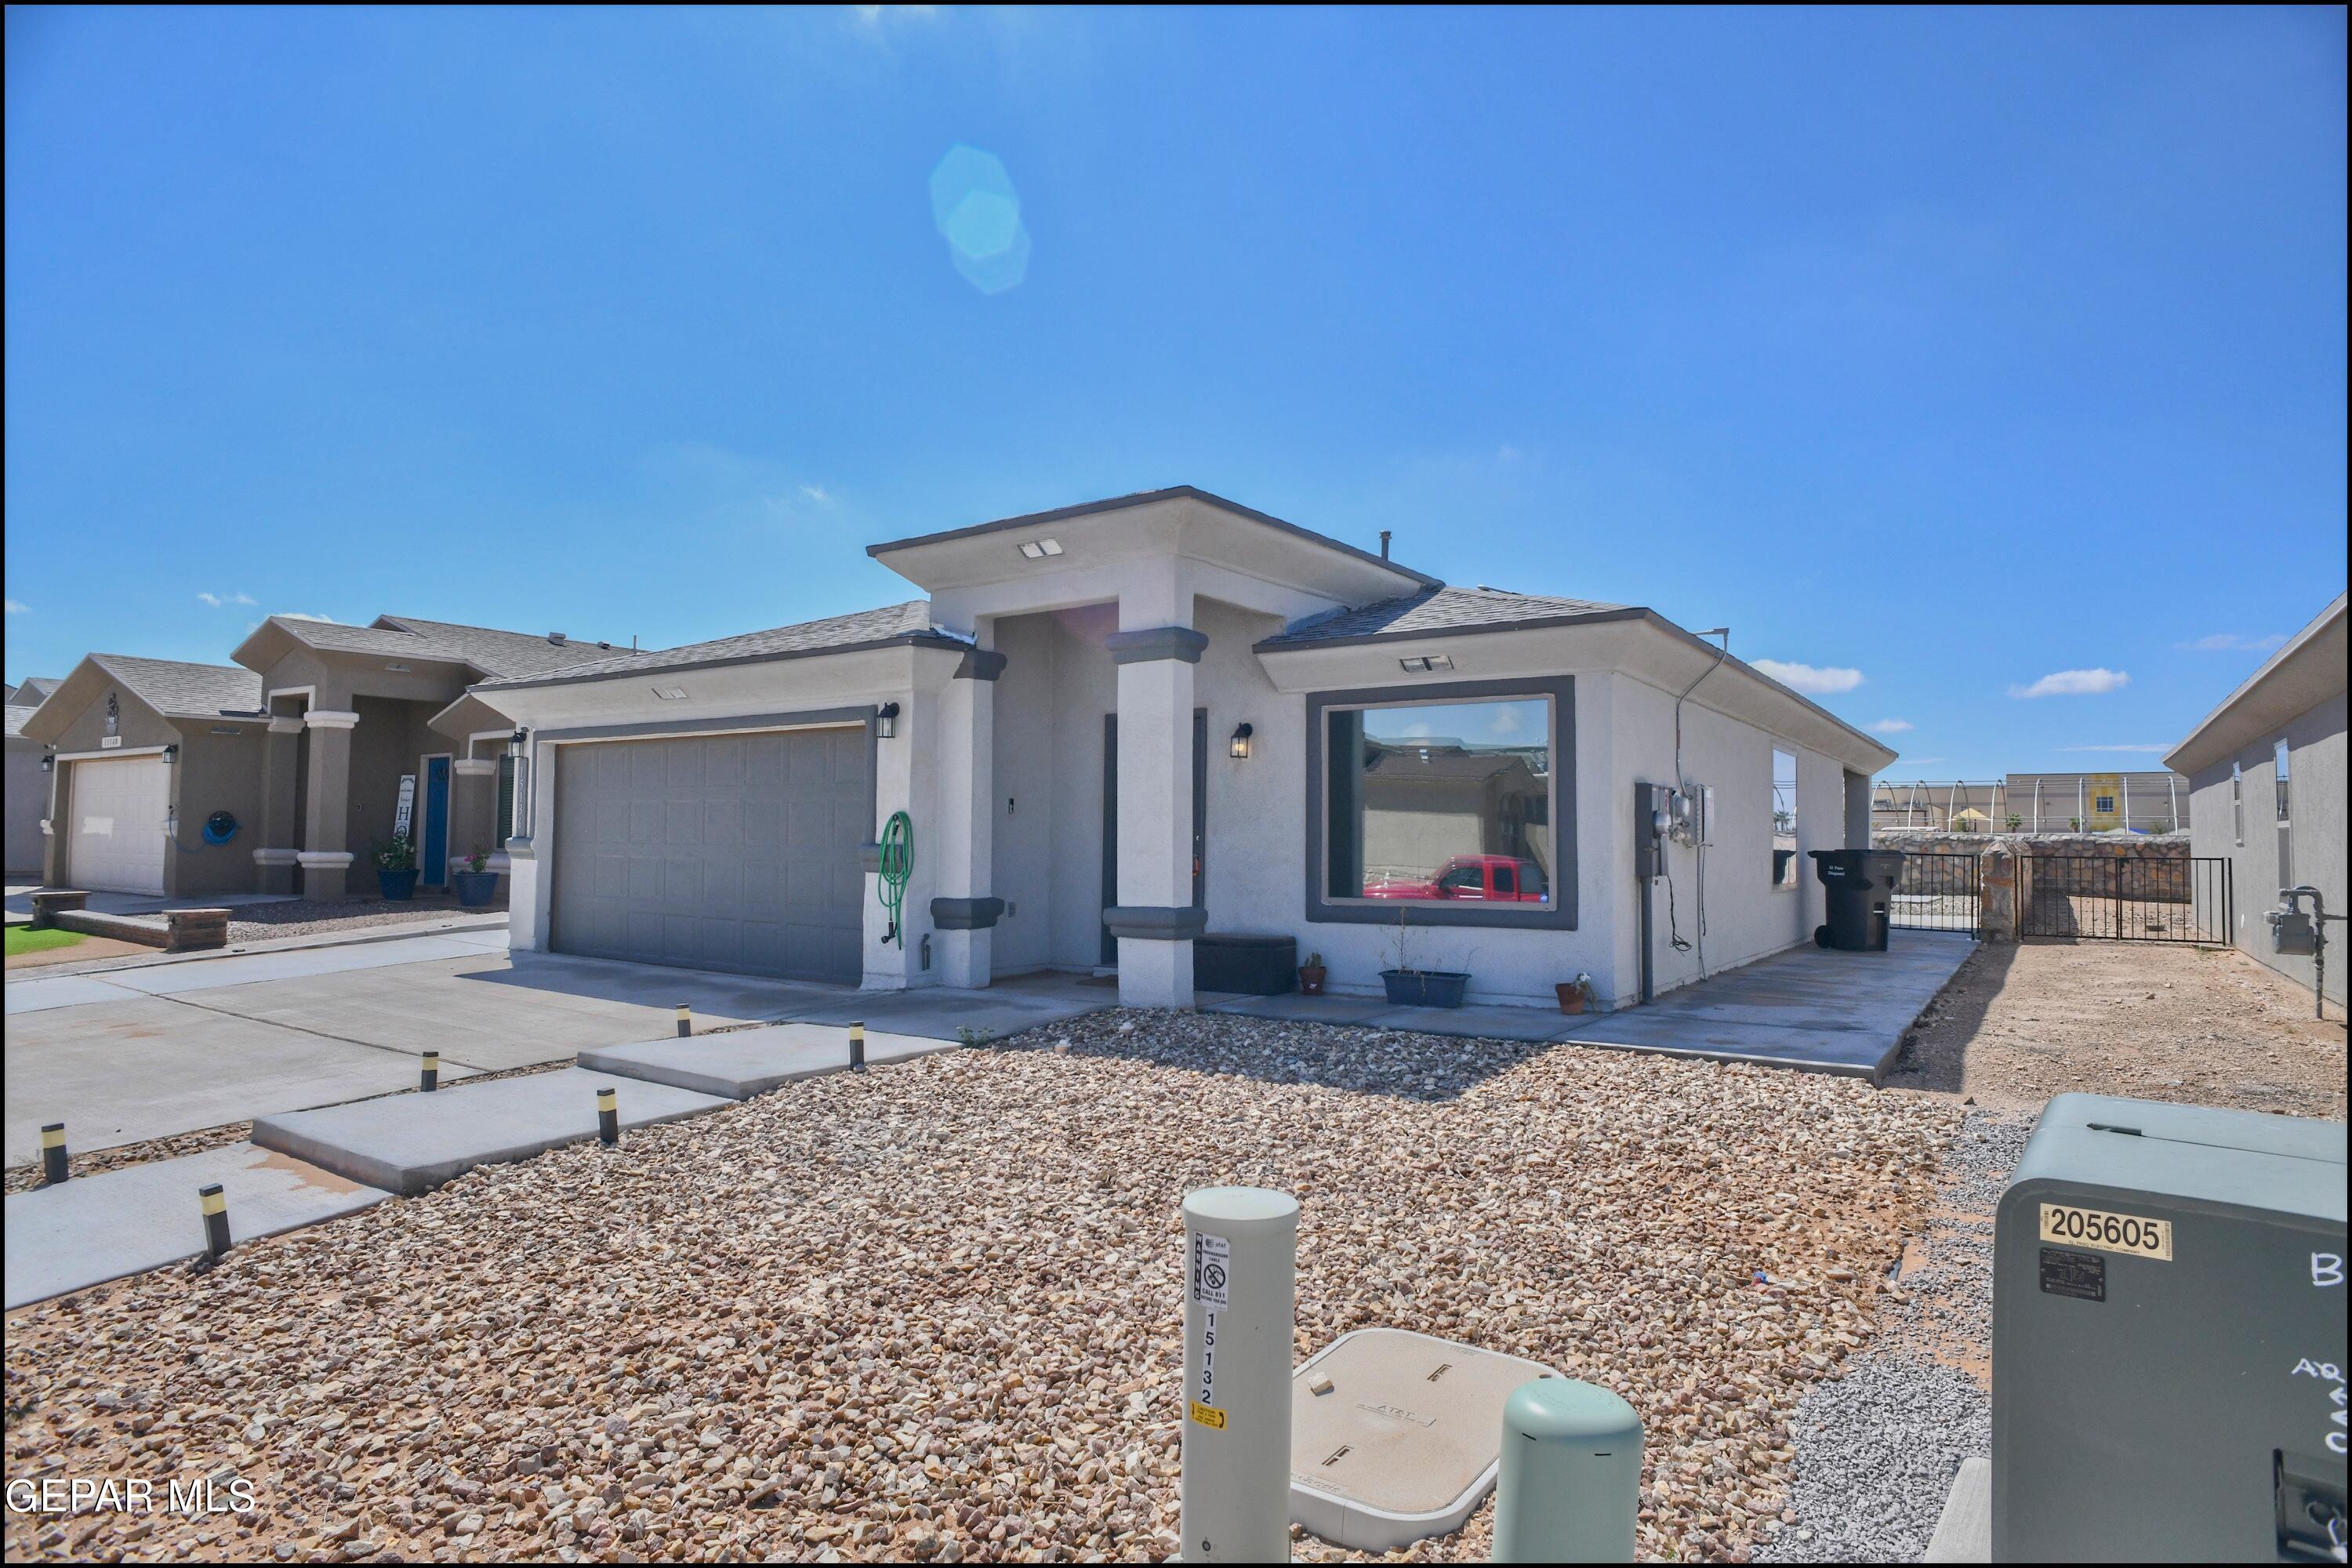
{"x": 1241, "y": 1255}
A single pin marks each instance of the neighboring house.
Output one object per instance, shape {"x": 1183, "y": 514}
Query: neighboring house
{"x": 146, "y": 751}
{"x": 1115, "y": 726}
{"x": 306, "y": 742}
{"x": 33, "y": 691}
{"x": 27, "y": 793}
{"x": 2267, "y": 789}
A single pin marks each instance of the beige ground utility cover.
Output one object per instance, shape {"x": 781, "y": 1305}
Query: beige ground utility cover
{"x": 1406, "y": 1440}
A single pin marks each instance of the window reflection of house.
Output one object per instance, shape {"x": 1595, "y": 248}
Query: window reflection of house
{"x": 1427, "y": 801}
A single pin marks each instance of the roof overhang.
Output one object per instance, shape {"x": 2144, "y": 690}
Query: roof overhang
{"x": 2298, "y": 677}
{"x": 1157, "y": 525}
{"x": 1637, "y": 642}
{"x": 276, "y": 637}
{"x": 766, "y": 683}
{"x": 80, "y": 688}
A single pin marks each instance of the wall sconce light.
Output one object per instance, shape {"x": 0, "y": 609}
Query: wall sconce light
{"x": 48, "y": 761}
{"x": 514, "y": 743}
{"x": 170, "y": 755}
{"x": 886, "y": 721}
{"x": 1242, "y": 733}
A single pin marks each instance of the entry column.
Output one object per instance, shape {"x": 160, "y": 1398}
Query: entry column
{"x": 965, "y": 913}
{"x": 281, "y": 806}
{"x": 326, "y": 814}
{"x": 1154, "y": 920}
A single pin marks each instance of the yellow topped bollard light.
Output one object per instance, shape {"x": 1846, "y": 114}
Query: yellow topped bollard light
{"x": 857, "y": 1048}
{"x": 1241, "y": 1262}
{"x": 53, "y": 1152}
{"x": 685, "y": 1020}
{"x": 214, "y": 1204}
{"x": 608, "y": 1116}
{"x": 429, "y": 1078}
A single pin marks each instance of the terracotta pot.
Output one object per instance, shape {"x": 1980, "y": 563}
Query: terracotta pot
{"x": 1310, "y": 980}
{"x": 1571, "y": 996}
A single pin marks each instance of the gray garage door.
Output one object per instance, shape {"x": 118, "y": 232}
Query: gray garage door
{"x": 735, "y": 852}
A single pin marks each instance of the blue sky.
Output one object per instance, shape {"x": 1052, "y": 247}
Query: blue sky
{"x": 1945, "y": 354}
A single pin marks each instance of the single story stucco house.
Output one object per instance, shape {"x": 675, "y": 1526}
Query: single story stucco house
{"x": 278, "y": 773}
{"x": 1116, "y": 726}
{"x": 2267, "y": 790}
{"x": 25, "y": 791}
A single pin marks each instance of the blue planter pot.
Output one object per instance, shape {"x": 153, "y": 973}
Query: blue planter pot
{"x": 475, "y": 888}
{"x": 1425, "y": 988}
{"x": 397, "y": 885}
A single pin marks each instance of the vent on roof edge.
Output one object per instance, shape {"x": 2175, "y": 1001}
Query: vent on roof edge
{"x": 557, "y": 638}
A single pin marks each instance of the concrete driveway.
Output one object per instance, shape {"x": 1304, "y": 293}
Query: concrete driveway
{"x": 127, "y": 1055}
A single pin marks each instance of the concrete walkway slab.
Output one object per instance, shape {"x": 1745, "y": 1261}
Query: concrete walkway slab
{"x": 1295, "y": 1007}
{"x": 298, "y": 963}
{"x": 938, "y": 1012}
{"x": 143, "y": 1066}
{"x": 741, "y": 1063}
{"x": 96, "y": 1228}
{"x": 414, "y": 1142}
{"x": 58, "y": 990}
{"x": 1964, "y": 1533}
{"x": 1482, "y": 1022}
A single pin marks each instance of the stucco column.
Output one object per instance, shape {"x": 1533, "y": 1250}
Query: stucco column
{"x": 326, "y": 856}
{"x": 281, "y": 808}
{"x": 1154, "y": 920}
{"x": 473, "y": 806}
{"x": 964, "y": 912}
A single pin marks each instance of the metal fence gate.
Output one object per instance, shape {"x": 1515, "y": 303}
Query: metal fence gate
{"x": 1936, "y": 892}
{"x": 2097, "y": 898}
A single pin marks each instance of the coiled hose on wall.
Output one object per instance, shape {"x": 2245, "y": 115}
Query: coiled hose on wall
{"x": 897, "y": 864}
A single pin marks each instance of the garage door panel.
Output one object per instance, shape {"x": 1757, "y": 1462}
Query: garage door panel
{"x": 117, "y": 811}
{"x": 736, "y": 852}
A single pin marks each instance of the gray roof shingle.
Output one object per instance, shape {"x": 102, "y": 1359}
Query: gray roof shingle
{"x": 1443, "y": 609}
{"x": 863, "y": 629}
{"x": 34, "y": 689}
{"x": 502, "y": 653}
{"x": 18, "y": 713}
{"x": 185, "y": 690}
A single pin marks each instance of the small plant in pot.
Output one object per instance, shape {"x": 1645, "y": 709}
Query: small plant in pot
{"x": 1310, "y": 975}
{"x": 1410, "y": 985}
{"x": 395, "y": 868}
{"x": 1574, "y": 994}
{"x": 476, "y": 884}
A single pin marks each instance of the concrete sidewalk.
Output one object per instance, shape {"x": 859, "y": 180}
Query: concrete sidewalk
{"x": 741, "y": 1063}
{"x": 96, "y": 1228}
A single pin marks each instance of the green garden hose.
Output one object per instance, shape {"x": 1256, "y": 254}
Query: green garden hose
{"x": 897, "y": 864}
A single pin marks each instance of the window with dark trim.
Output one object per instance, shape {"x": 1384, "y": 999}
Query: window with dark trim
{"x": 1784, "y": 818}
{"x": 1445, "y": 804}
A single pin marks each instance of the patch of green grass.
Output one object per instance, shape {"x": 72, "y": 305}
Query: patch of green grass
{"x": 25, "y": 939}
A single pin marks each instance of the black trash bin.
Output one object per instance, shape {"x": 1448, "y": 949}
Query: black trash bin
{"x": 1859, "y": 882}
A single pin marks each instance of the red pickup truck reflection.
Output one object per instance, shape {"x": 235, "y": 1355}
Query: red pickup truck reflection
{"x": 1494, "y": 878}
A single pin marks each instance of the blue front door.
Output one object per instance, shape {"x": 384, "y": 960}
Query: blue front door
{"x": 433, "y": 857}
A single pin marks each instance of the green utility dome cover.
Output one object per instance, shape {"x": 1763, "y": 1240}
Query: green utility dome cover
{"x": 1577, "y": 1412}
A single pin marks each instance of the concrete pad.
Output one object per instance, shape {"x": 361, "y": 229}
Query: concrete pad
{"x": 938, "y": 1012}
{"x": 60, "y": 991}
{"x": 1964, "y": 1533}
{"x": 96, "y": 1228}
{"x": 744, "y": 1062}
{"x": 710, "y": 994}
{"x": 414, "y": 1142}
{"x": 141, "y": 1066}
{"x": 1482, "y": 1022}
{"x": 1297, "y": 1007}
{"x": 1847, "y": 1055}
{"x": 296, "y": 963}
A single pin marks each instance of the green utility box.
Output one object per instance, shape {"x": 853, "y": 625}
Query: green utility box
{"x": 1569, "y": 1486}
{"x": 2169, "y": 1337}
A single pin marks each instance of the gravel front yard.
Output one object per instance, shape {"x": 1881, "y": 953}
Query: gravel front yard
{"x": 932, "y": 1311}
{"x": 314, "y": 917}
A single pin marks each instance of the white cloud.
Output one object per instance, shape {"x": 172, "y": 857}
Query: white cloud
{"x": 818, "y": 494}
{"x": 1805, "y": 678}
{"x": 2233, "y": 642}
{"x": 1891, "y": 726}
{"x": 16, "y": 609}
{"x": 2074, "y": 683}
{"x": 2160, "y": 747}
{"x": 300, "y": 615}
{"x": 217, "y": 600}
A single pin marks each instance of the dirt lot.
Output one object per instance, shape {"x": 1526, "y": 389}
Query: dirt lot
{"x": 2148, "y": 1020}
{"x": 932, "y": 1311}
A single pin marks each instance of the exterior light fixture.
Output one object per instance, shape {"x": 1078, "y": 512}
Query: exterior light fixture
{"x": 886, "y": 721}
{"x": 170, "y": 755}
{"x": 1423, "y": 664}
{"x": 48, "y": 761}
{"x": 1039, "y": 549}
{"x": 514, "y": 743}
{"x": 1240, "y": 740}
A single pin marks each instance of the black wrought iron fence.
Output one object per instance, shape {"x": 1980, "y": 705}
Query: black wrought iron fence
{"x": 1936, "y": 892}
{"x": 2109, "y": 899}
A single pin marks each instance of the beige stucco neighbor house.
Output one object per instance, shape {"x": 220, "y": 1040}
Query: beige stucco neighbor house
{"x": 1115, "y": 727}
{"x": 25, "y": 791}
{"x": 2267, "y": 790}
{"x": 306, "y": 743}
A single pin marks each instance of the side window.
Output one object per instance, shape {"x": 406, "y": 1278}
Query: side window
{"x": 1784, "y": 819}
{"x": 1506, "y": 882}
{"x": 2238, "y": 804}
{"x": 2285, "y": 849}
{"x": 1461, "y": 882}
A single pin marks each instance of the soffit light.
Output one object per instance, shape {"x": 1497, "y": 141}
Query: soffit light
{"x": 1039, "y": 549}
{"x": 1421, "y": 664}
{"x": 670, "y": 693}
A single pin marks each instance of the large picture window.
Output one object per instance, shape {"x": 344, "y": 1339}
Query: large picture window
{"x": 1441, "y": 807}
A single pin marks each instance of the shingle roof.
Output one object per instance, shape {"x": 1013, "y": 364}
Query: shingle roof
{"x": 18, "y": 713}
{"x": 502, "y": 653}
{"x": 185, "y": 690}
{"x": 34, "y": 689}
{"x": 1438, "y": 610}
{"x": 863, "y": 629}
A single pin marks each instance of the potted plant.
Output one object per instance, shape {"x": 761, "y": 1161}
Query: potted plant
{"x": 395, "y": 868}
{"x": 1573, "y": 994}
{"x": 476, "y": 885}
{"x": 1310, "y": 975}
{"x": 1409, "y": 985}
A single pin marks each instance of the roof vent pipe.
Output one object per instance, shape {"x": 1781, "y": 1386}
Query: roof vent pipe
{"x": 1385, "y": 544}
{"x": 557, "y": 638}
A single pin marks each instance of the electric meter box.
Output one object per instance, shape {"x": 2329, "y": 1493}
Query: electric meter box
{"x": 2168, "y": 1337}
